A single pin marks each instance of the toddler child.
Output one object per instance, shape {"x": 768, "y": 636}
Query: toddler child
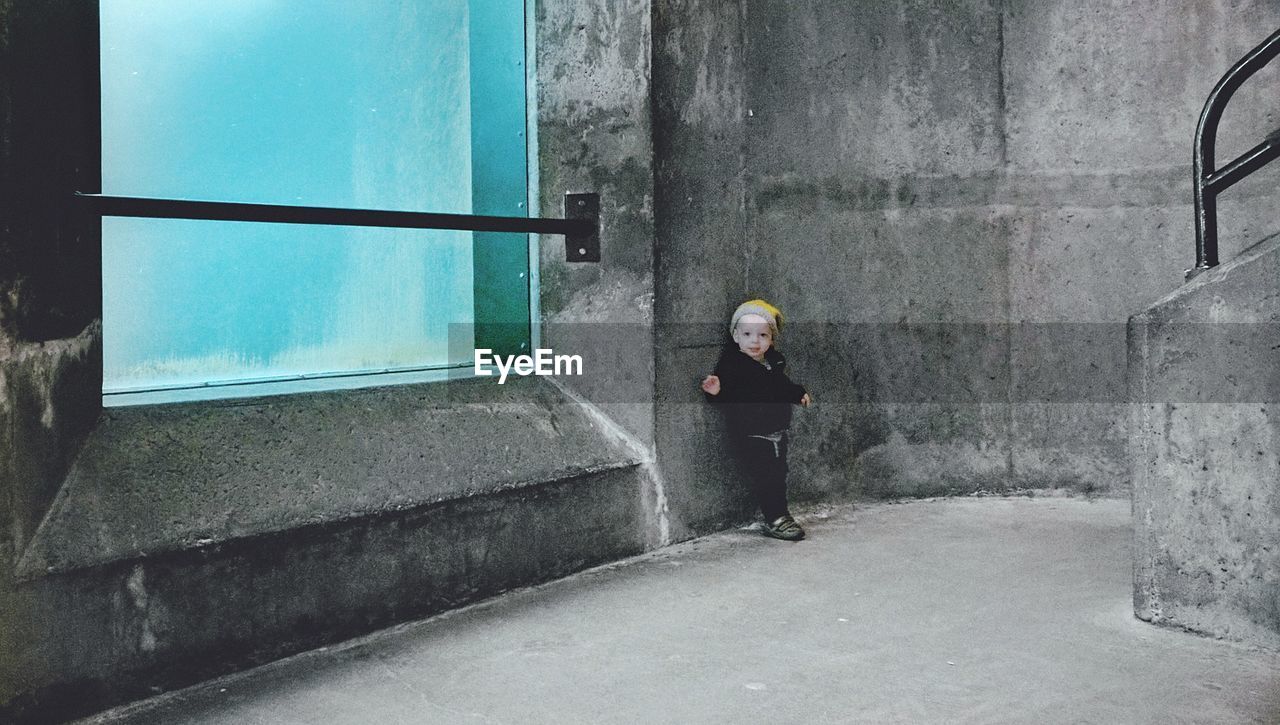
{"x": 751, "y": 386}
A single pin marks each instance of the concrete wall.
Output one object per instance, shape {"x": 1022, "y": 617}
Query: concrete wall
{"x": 1206, "y": 452}
{"x": 593, "y": 89}
{"x": 968, "y": 199}
{"x": 699, "y": 125}
{"x": 594, "y": 134}
{"x": 958, "y": 205}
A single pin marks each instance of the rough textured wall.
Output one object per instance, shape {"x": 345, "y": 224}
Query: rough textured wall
{"x": 1206, "y": 452}
{"x": 49, "y": 395}
{"x": 1103, "y": 100}
{"x": 50, "y": 360}
{"x": 699, "y": 129}
{"x": 594, "y": 129}
{"x": 50, "y": 368}
{"x": 971, "y": 198}
{"x": 594, "y": 135}
{"x": 873, "y": 131}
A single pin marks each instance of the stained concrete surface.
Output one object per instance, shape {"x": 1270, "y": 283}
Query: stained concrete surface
{"x": 957, "y": 610}
{"x": 1022, "y": 161}
{"x": 161, "y": 478}
{"x": 1202, "y": 371}
{"x": 700, "y": 229}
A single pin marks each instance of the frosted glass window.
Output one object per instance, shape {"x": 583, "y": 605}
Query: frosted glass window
{"x": 378, "y": 104}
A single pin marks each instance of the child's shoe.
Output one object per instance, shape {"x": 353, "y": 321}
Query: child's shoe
{"x": 784, "y": 527}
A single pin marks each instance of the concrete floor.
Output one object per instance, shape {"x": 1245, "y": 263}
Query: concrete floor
{"x": 958, "y": 610}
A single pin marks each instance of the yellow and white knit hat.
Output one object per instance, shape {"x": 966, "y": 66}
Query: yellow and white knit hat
{"x": 758, "y": 307}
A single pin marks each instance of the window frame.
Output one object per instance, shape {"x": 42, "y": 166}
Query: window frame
{"x": 505, "y": 284}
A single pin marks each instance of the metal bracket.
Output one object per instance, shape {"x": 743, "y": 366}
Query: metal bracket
{"x": 583, "y": 246}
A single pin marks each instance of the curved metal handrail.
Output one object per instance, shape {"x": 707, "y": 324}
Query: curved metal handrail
{"x": 1210, "y": 182}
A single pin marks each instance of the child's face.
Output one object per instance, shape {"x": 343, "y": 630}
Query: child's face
{"x": 753, "y": 336}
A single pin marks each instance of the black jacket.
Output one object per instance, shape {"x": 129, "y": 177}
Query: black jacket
{"x": 756, "y": 399}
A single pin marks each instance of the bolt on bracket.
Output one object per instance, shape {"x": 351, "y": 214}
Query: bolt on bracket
{"x": 582, "y": 244}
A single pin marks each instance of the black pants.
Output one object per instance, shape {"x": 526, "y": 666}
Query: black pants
{"x": 765, "y": 465}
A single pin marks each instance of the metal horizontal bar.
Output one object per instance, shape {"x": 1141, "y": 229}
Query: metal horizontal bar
{"x": 127, "y": 206}
{"x": 1249, "y": 162}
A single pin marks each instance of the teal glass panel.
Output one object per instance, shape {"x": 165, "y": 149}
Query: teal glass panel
{"x": 499, "y": 183}
{"x": 297, "y": 301}
{"x": 317, "y": 103}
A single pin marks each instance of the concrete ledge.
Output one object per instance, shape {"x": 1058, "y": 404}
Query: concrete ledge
{"x": 165, "y": 478}
{"x": 107, "y": 635}
{"x": 1185, "y": 304}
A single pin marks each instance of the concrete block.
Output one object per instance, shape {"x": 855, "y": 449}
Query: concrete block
{"x": 176, "y": 477}
{"x": 617, "y": 374}
{"x": 1203, "y": 379}
{"x": 1206, "y": 542}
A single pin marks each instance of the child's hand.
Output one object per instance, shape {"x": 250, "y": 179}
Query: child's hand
{"x": 711, "y": 385}
{"x": 807, "y": 400}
